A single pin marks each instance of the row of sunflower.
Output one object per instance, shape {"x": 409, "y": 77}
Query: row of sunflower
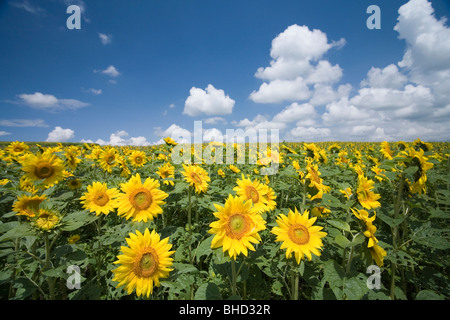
{"x": 343, "y": 206}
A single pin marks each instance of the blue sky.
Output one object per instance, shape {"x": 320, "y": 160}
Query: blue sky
{"x": 138, "y": 71}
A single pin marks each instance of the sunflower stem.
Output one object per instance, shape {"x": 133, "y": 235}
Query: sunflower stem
{"x": 233, "y": 277}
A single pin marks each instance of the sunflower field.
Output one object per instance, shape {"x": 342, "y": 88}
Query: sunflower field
{"x": 336, "y": 220}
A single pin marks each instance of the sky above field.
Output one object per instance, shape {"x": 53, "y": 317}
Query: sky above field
{"x": 138, "y": 71}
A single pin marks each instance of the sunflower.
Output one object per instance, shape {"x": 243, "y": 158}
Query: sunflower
{"x": 72, "y": 159}
{"x": 73, "y": 239}
{"x": 254, "y": 191}
{"x": 221, "y": 173}
{"x": 420, "y": 176}
{"x": 138, "y": 158}
{"x": 378, "y": 254}
{"x": 269, "y": 198}
{"x": 99, "y": 198}
{"x": 314, "y": 177}
{"x": 320, "y": 212}
{"x": 46, "y": 220}
{"x": 234, "y": 168}
{"x": 28, "y": 205}
{"x": 140, "y": 201}
{"x": 366, "y": 197}
{"x": 143, "y": 263}
{"x": 298, "y": 235}
{"x": 237, "y": 227}
{"x": 386, "y": 150}
{"x": 169, "y": 141}
{"x": 166, "y": 171}
{"x": 44, "y": 166}
{"x": 108, "y": 159}
{"x": 16, "y": 148}
{"x": 197, "y": 177}
{"x": 74, "y": 183}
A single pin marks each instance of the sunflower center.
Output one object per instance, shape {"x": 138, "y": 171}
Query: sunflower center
{"x": 146, "y": 263}
{"x": 196, "y": 178}
{"x": 43, "y": 170}
{"x": 164, "y": 174}
{"x": 18, "y": 149}
{"x": 138, "y": 159}
{"x": 101, "y": 199}
{"x": 299, "y": 234}
{"x": 110, "y": 159}
{"x": 141, "y": 199}
{"x": 253, "y": 194}
{"x": 237, "y": 226}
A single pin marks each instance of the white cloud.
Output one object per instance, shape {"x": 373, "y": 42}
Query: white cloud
{"x": 279, "y": 90}
{"x": 260, "y": 122}
{"x": 309, "y": 134}
{"x": 24, "y": 4}
{"x": 119, "y": 139}
{"x": 110, "y": 71}
{"x": 4, "y": 133}
{"x": 104, "y": 38}
{"x": 213, "y": 135}
{"x": 296, "y": 63}
{"x": 296, "y": 112}
{"x": 95, "y": 91}
{"x": 343, "y": 111}
{"x": 49, "y": 102}
{"x": 389, "y": 77}
{"x": 176, "y": 132}
{"x": 426, "y": 59}
{"x": 23, "y": 123}
{"x": 210, "y": 101}
{"x": 215, "y": 120}
{"x": 324, "y": 93}
{"x": 60, "y": 135}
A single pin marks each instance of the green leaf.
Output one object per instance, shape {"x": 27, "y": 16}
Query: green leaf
{"x": 76, "y": 220}
{"x": 342, "y": 241}
{"x": 339, "y": 224}
{"x": 428, "y": 295}
{"x": 20, "y": 231}
{"x": 204, "y": 248}
{"x": 208, "y": 291}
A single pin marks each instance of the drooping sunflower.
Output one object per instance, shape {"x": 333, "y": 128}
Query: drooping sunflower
{"x": 45, "y": 167}
{"x": 140, "y": 201}
{"x": 46, "y": 219}
{"x": 366, "y": 197}
{"x": 167, "y": 170}
{"x": 28, "y": 205}
{"x": 254, "y": 191}
{"x": 197, "y": 177}
{"x": 142, "y": 264}
{"x": 99, "y": 198}
{"x": 386, "y": 150}
{"x": 221, "y": 173}
{"x": 420, "y": 176}
{"x": 298, "y": 235}
{"x": 314, "y": 177}
{"x": 138, "y": 158}
{"x": 237, "y": 227}
{"x": 378, "y": 254}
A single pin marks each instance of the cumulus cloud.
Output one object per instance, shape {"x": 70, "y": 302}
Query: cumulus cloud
{"x": 210, "y": 101}
{"x": 279, "y": 90}
{"x": 296, "y": 63}
{"x": 176, "y": 132}
{"x": 4, "y": 133}
{"x": 49, "y": 102}
{"x": 120, "y": 138}
{"x": 109, "y": 71}
{"x": 296, "y": 112}
{"x": 60, "y": 135}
